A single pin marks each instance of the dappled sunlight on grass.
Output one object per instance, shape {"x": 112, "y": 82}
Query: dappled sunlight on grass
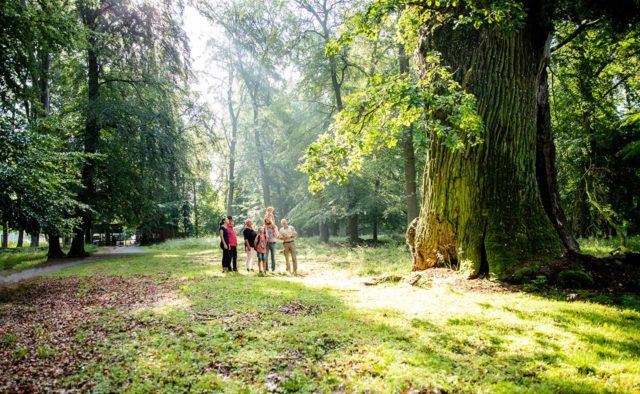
{"x": 170, "y": 302}
{"x": 603, "y": 247}
{"x": 200, "y": 253}
{"x": 325, "y": 331}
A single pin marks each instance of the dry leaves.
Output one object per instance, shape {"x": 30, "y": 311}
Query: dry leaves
{"x": 50, "y": 328}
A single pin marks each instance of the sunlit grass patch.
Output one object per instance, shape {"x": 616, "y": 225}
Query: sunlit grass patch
{"x": 189, "y": 244}
{"x": 325, "y": 331}
{"x": 601, "y": 247}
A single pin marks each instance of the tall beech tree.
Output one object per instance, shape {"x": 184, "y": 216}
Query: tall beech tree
{"x": 135, "y": 45}
{"x": 322, "y": 21}
{"x": 234, "y": 113}
{"x": 37, "y": 171}
{"x": 255, "y": 34}
{"x": 408, "y": 151}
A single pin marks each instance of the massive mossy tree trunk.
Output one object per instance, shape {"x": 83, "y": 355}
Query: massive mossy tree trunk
{"x": 482, "y": 206}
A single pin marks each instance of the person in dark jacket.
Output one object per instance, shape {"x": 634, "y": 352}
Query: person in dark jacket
{"x": 224, "y": 245}
{"x": 233, "y": 245}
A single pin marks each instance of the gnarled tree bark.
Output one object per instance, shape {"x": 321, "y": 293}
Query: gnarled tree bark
{"x": 482, "y": 206}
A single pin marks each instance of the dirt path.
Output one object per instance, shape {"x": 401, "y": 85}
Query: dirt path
{"x": 58, "y": 264}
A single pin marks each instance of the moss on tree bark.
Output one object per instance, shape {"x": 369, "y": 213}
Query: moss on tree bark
{"x": 481, "y": 207}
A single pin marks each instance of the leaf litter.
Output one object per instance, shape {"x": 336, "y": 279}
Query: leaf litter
{"x": 51, "y": 328}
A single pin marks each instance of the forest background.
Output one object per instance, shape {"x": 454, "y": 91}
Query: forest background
{"x": 105, "y": 119}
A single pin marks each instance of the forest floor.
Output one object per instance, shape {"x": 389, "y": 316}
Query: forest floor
{"x": 169, "y": 320}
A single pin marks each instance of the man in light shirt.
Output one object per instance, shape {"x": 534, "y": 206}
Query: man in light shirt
{"x": 288, "y": 235}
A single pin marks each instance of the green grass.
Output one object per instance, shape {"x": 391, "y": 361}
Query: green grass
{"x": 326, "y": 332}
{"x": 23, "y": 258}
{"x": 600, "y": 247}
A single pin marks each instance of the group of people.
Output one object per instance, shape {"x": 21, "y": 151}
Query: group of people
{"x": 261, "y": 242}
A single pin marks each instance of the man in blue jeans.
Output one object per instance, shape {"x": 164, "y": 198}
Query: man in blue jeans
{"x": 272, "y": 237}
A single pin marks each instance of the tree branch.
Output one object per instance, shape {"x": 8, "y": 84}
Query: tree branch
{"x": 583, "y": 26}
{"x": 614, "y": 87}
{"x": 129, "y": 81}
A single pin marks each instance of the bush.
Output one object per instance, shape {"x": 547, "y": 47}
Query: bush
{"x": 536, "y": 284}
{"x": 575, "y": 279}
{"x": 526, "y": 274}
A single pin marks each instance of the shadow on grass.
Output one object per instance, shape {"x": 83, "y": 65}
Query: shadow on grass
{"x": 240, "y": 333}
{"x": 249, "y": 334}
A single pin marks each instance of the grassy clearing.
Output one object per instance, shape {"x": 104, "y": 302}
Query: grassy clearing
{"x": 21, "y": 259}
{"x": 600, "y": 247}
{"x": 327, "y": 332}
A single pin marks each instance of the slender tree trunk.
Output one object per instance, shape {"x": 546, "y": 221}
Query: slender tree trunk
{"x": 53, "y": 245}
{"x": 335, "y": 229}
{"x": 352, "y": 219}
{"x": 546, "y": 166}
{"x": 91, "y": 138}
{"x": 20, "y": 238}
{"x": 375, "y": 211}
{"x": 375, "y": 229}
{"x": 323, "y": 226}
{"x": 408, "y": 154}
{"x": 482, "y": 206}
{"x": 35, "y": 240}
{"x": 324, "y": 232}
{"x": 44, "y": 81}
{"x": 352, "y": 229}
{"x": 195, "y": 207}
{"x": 263, "y": 168}
{"x": 232, "y": 143}
{"x": 5, "y": 234}
{"x": 335, "y": 83}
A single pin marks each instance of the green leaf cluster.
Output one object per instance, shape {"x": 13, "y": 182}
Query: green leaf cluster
{"x": 374, "y": 118}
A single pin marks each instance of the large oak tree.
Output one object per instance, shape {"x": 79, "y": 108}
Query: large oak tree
{"x": 490, "y": 197}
